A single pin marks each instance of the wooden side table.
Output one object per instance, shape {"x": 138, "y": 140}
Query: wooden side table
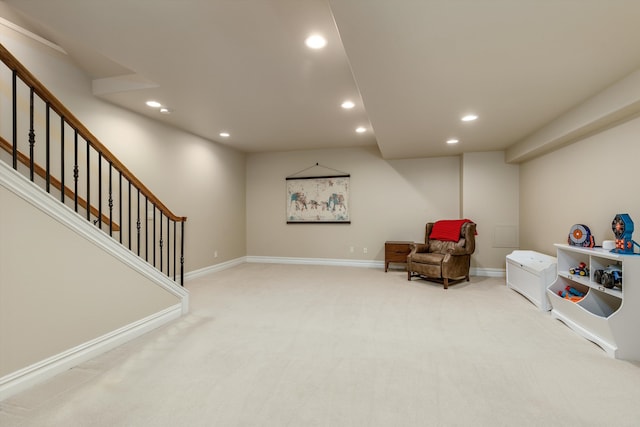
{"x": 396, "y": 251}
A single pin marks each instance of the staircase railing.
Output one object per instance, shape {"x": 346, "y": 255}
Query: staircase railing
{"x": 38, "y": 129}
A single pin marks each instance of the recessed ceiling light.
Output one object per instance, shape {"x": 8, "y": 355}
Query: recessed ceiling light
{"x": 165, "y": 110}
{"x": 452, "y": 141}
{"x": 316, "y": 41}
{"x": 347, "y": 105}
{"x": 361, "y": 129}
{"x": 469, "y": 118}
{"x": 154, "y": 104}
{"x": 224, "y": 134}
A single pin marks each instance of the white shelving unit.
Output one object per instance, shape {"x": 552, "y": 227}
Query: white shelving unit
{"x": 608, "y": 317}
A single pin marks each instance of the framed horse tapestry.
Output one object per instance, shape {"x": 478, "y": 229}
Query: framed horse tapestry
{"x": 318, "y": 199}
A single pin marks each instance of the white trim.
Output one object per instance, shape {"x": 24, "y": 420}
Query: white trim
{"x": 38, "y": 372}
{"x": 213, "y": 268}
{"x": 31, "y": 193}
{"x": 317, "y": 261}
{"x": 280, "y": 260}
{"x": 488, "y": 272}
{"x": 483, "y": 272}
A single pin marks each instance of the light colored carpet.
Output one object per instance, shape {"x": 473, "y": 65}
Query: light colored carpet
{"x": 290, "y": 345}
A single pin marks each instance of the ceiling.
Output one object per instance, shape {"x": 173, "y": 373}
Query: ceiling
{"x": 412, "y": 67}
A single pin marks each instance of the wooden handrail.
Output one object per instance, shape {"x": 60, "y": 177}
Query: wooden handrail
{"x": 42, "y": 173}
{"x": 59, "y": 108}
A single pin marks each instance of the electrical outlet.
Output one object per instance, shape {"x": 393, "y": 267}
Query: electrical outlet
{"x": 351, "y": 249}
{"x": 364, "y": 250}
{"x": 215, "y": 254}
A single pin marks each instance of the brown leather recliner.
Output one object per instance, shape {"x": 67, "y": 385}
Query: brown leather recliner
{"x": 440, "y": 260}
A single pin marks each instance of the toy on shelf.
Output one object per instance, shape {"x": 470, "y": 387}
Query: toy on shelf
{"x": 622, "y": 227}
{"x": 580, "y": 235}
{"x": 580, "y": 270}
{"x": 571, "y": 293}
{"x": 609, "y": 277}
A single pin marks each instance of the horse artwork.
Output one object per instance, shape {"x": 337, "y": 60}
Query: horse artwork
{"x": 318, "y": 199}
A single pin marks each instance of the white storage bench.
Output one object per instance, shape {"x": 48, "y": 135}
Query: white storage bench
{"x": 530, "y": 273}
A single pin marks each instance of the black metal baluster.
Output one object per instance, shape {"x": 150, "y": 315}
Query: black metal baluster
{"x": 32, "y": 135}
{"x": 146, "y": 229}
{"x": 15, "y": 119}
{"x": 99, "y": 220}
{"x": 120, "y": 204}
{"x": 88, "y": 181}
{"x": 182, "y": 253}
{"x": 138, "y": 223}
{"x": 48, "y": 149}
{"x": 129, "y": 206}
{"x": 62, "y": 160}
{"x": 168, "y": 248}
{"x": 154, "y": 235}
{"x": 110, "y": 201}
{"x": 161, "y": 241}
{"x": 76, "y": 171}
{"x": 175, "y": 239}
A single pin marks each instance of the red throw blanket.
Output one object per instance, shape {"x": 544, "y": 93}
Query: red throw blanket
{"x": 447, "y": 229}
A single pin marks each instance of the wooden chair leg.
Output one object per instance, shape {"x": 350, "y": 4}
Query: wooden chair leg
{"x": 446, "y": 283}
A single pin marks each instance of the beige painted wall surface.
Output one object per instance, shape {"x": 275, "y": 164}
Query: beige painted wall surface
{"x": 588, "y": 182}
{"x": 52, "y": 300}
{"x": 390, "y": 200}
{"x": 490, "y": 198}
{"x": 199, "y": 179}
{"x": 194, "y": 177}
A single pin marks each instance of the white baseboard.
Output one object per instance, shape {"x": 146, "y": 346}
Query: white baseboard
{"x": 483, "y": 272}
{"x": 213, "y": 268}
{"x": 488, "y": 272}
{"x": 317, "y": 261}
{"x": 280, "y": 260}
{"x": 39, "y": 372}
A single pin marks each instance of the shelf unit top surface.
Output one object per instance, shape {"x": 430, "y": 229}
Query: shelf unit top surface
{"x": 604, "y": 253}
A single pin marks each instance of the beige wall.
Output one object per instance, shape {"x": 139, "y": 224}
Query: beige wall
{"x": 390, "y": 200}
{"x": 52, "y": 300}
{"x": 194, "y": 177}
{"x": 490, "y": 198}
{"x": 588, "y": 182}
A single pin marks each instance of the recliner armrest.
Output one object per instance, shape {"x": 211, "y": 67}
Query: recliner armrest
{"x": 418, "y": 248}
